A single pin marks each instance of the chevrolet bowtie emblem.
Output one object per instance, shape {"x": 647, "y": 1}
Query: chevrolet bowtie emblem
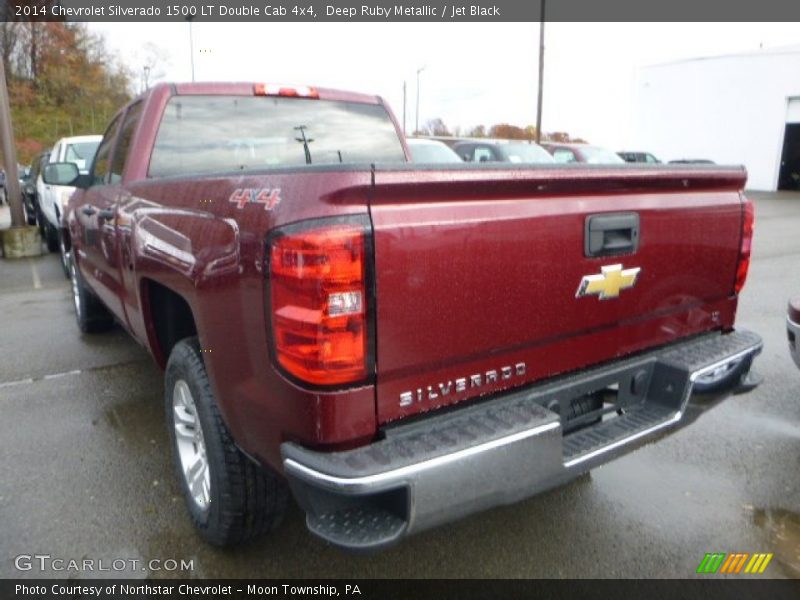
{"x": 611, "y": 281}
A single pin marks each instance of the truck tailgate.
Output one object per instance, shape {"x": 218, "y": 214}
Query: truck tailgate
{"x": 479, "y": 272}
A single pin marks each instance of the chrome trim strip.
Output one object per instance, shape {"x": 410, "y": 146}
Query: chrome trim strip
{"x": 399, "y": 475}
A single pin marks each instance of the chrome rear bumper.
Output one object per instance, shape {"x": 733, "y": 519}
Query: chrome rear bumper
{"x": 501, "y": 450}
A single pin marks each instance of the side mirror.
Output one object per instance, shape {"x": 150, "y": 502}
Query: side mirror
{"x": 64, "y": 173}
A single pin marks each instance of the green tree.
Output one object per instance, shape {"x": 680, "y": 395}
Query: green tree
{"x": 62, "y": 81}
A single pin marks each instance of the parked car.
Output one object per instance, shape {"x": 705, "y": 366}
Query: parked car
{"x": 80, "y": 151}
{"x": 582, "y": 153}
{"x": 509, "y": 151}
{"x": 638, "y": 157}
{"x": 431, "y": 151}
{"x": 32, "y": 188}
{"x": 793, "y": 326}
{"x": 22, "y": 173}
{"x": 404, "y": 347}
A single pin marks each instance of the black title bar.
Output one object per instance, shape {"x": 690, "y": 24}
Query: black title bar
{"x": 709, "y": 588}
{"x": 397, "y": 11}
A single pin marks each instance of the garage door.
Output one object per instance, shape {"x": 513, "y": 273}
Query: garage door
{"x": 793, "y": 111}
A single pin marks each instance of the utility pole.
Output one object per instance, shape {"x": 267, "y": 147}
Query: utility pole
{"x": 420, "y": 70}
{"x": 9, "y": 154}
{"x": 541, "y": 76}
{"x": 191, "y": 45}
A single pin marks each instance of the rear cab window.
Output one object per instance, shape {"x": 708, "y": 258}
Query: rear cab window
{"x": 218, "y": 134}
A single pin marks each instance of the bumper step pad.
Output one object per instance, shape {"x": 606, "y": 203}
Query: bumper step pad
{"x": 359, "y": 527}
{"x": 639, "y": 420}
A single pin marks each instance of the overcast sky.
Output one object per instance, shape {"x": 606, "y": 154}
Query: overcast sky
{"x": 475, "y": 73}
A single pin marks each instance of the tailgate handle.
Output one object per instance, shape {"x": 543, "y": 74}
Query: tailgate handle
{"x": 610, "y": 234}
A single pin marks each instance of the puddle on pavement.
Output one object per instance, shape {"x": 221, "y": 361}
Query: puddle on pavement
{"x": 778, "y": 426}
{"x": 783, "y": 530}
{"x": 667, "y": 493}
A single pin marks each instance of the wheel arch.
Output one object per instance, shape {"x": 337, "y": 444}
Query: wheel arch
{"x": 168, "y": 316}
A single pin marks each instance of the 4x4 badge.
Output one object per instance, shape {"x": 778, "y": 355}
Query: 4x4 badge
{"x": 269, "y": 197}
{"x": 609, "y": 283}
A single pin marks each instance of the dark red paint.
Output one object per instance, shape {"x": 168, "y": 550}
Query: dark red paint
{"x": 475, "y": 269}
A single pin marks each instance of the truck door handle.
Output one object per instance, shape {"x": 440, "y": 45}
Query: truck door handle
{"x": 611, "y": 234}
{"x": 88, "y": 210}
{"x": 105, "y": 213}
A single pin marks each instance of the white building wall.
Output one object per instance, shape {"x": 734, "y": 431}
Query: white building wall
{"x": 731, "y": 109}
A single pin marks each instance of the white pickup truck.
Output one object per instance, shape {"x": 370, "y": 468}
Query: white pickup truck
{"x": 79, "y": 150}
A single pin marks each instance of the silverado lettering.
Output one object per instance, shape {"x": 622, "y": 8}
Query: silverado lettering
{"x": 461, "y": 384}
{"x": 379, "y": 281}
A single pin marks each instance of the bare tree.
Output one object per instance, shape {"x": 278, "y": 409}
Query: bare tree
{"x": 435, "y": 127}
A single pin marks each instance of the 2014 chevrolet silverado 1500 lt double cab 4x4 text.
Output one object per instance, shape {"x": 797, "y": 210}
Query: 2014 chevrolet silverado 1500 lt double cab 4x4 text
{"x": 403, "y": 345}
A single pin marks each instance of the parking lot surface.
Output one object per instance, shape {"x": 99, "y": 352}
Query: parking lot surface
{"x": 85, "y": 468}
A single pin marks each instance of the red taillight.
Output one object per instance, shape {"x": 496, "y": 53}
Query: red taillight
{"x": 744, "y": 250}
{"x": 270, "y": 89}
{"x": 319, "y": 303}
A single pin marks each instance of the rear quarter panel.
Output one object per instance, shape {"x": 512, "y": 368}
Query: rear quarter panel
{"x": 186, "y": 235}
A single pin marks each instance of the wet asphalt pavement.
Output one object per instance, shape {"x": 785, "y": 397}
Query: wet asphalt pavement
{"x": 85, "y": 471}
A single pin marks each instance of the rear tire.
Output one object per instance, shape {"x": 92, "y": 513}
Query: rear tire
{"x": 91, "y": 315}
{"x": 230, "y": 498}
{"x": 51, "y": 237}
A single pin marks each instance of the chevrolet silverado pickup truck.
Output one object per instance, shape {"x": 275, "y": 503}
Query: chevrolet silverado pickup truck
{"x": 399, "y": 345}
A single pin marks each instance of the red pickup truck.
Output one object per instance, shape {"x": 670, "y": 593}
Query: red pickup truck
{"x": 403, "y": 344}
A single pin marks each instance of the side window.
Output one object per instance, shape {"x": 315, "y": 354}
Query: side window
{"x": 101, "y": 166}
{"x": 124, "y": 141}
{"x": 483, "y": 154}
{"x": 649, "y": 158}
{"x": 465, "y": 152}
{"x": 564, "y": 155}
